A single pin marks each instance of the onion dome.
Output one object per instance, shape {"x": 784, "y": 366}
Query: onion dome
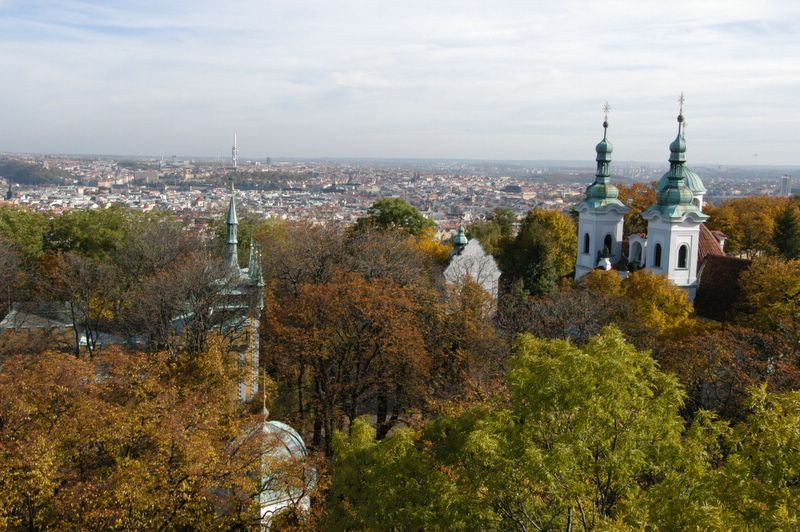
{"x": 461, "y": 238}
{"x": 602, "y": 192}
{"x": 673, "y": 192}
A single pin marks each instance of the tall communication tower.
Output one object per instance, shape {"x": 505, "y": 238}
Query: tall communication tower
{"x": 234, "y": 152}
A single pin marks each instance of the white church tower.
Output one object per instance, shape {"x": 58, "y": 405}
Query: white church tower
{"x": 673, "y": 223}
{"x": 601, "y": 215}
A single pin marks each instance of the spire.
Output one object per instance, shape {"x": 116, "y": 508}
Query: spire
{"x": 602, "y": 192}
{"x": 674, "y": 190}
{"x": 232, "y": 222}
{"x": 678, "y": 146}
{"x": 250, "y": 262}
{"x": 259, "y": 276}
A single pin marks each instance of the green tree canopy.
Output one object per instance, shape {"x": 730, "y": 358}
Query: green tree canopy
{"x": 495, "y": 231}
{"x": 542, "y": 252}
{"x": 25, "y": 230}
{"x": 787, "y": 233}
{"x": 396, "y": 212}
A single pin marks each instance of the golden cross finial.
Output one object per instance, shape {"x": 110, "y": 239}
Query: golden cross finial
{"x": 681, "y": 99}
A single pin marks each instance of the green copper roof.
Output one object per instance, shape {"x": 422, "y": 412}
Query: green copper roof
{"x": 461, "y": 238}
{"x": 602, "y": 193}
{"x": 673, "y": 193}
{"x": 232, "y": 219}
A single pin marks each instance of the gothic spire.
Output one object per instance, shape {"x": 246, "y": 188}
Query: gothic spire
{"x": 233, "y": 223}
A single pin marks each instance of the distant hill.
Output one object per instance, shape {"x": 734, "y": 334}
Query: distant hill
{"x": 24, "y": 173}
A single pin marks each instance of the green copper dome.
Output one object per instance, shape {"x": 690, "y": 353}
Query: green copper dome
{"x": 604, "y": 148}
{"x": 676, "y": 189}
{"x": 602, "y": 193}
{"x": 461, "y": 238}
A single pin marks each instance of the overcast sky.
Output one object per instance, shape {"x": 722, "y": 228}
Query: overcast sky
{"x": 401, "y": 78}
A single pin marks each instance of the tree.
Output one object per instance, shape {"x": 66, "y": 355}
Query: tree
{"x": 495, "y": 232}
{"x": 396, "y": 212}
{"x": 749, "y": 223}
{"x": 85, "y": 287}
{"x": 771, "y": 297}
{"x": 9, "y": 274}
{"x": 542, "y": 252}
{"x": 126, "y": 441}
{"x": 659, "y": 303}
{"x": 352, "y": 345}
{"x": 25, "y": 230}
{"x": 787, "y": 233}
{"x": 584, "y": 432}
{"x": 98, "y": 234}
{"x": 760, "y": 482}
{"x": 638, "y": 197}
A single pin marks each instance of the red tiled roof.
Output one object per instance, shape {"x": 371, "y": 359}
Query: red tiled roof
{"x": 719, "y": 289}
{"x": 708, "y": 245}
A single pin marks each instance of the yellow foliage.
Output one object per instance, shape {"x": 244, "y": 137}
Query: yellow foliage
{"x": 429, "y": 244}
{"x": 658, "y": 301}
{"x": 605, "y": 282}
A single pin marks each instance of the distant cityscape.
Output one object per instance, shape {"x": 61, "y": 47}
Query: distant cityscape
{"x": 340, "y": 191}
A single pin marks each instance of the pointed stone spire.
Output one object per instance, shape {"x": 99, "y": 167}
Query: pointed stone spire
{"x": 259, "y": 276}
{"x": 233, "y": 223}
{"x": 250, "y": 262}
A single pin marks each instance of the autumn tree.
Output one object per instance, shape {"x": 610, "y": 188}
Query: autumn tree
{"x": 638, "y": 197}
{"x": 542, "y": 252}
{"x": 127, "y": 442}
{"x": 749, "y": 223}
{"x": 179, "y": 307}
{"x": 771, "y": 297}
{"x": 86, "y": 288}
{"x": 658, "y": 302}
{"x": 583, "y": 430}
{"x": 352, "y": 345}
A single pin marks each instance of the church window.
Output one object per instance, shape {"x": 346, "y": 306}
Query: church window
{"x": 657, "y": 256}
{"x": 636, "y": 255}
{"x": 607, "y": 243}
{"x": 683, "y": 255}
{"x": 586, "y": 243}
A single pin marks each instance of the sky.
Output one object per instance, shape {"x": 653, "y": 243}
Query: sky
{"x": 512, "y": 80}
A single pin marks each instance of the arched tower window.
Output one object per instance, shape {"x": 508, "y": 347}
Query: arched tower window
{"x": 586, "y": 243}
{"x": 607, "y": 243}
{"x": 657, "y": 256}
{"x": 683, "y": 255}
{"x": 636, "y": 252}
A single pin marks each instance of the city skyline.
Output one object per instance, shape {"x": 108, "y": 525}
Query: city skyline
{"x": 517, "y": 81}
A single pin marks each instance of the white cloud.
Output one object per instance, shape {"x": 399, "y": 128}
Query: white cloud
{"x": 512, "y": 79}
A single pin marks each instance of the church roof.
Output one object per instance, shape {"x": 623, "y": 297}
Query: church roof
{"x": 708, "y": 245}
{"x": 719, "y": 289}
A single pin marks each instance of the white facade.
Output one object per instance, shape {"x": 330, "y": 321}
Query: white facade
{"x": 474, "y": 263}
{"x": 672, "y": 249}
{"x": 597, "y": 228}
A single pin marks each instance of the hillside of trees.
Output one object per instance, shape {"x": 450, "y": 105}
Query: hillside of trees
{"x": 24, "y": 173}
{"x": 602, "y": 404}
